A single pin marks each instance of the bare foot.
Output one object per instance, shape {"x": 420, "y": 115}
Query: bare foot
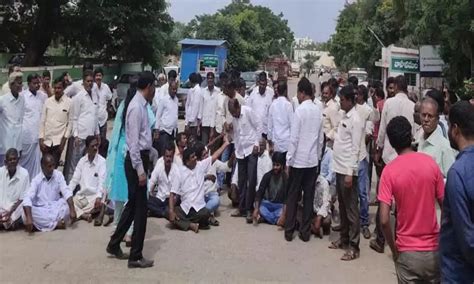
{"x": 194, "y": 227}
{"x": 61, "y": 225}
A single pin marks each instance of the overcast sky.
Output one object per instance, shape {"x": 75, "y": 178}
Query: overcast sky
{"x": 313, "y": 18}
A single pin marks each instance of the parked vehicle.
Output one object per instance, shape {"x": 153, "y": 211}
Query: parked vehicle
{"x": 123, "y": 84}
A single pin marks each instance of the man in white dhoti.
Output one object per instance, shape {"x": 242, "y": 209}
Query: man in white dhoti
{"x": 90, "y": 177}
{"x": 14, "y": 182}
{"x": 48, "y": 203}
{"x": 34, "y": 101}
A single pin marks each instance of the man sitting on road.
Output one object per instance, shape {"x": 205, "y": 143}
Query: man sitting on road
{"x": 14, "y": 182}
{"x": 90, "y": 177}
{"x": 48, "y": 203}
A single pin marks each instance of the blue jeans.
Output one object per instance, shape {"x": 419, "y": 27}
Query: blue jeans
{"x": 212, "y": 201}
{"x": 224, "y": 158}
{"x": 270, "y": 211}
{"x": 363, "y": 182}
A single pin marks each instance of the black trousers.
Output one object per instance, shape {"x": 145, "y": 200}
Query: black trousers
{"x": 158, "y": 208}
{"x": 247, "y": 176}
{"x": 184, "y": 220}
{"x": 348, "y": 199}
{"x": 55, "y": 152}
{"x": 135, "y": 211}
{"x": 205, "y": 134}
{"x": 300, "y": 180}
{"x": 164, "y": 140}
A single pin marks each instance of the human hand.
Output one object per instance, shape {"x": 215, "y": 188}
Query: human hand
{"x": 256, "y": 214}
{"x": 172, "y": 216}
{"x": 142, "y": 180}
{"x": 255, "y": 150}
{"x": 28, "y": 225}
{"x": 73, "y": 216}
{"x": 156, "y": 135}
{"x": 348, "y": 181}
{"x": 97, "y": 203}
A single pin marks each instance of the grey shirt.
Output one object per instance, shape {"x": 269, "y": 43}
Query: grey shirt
{"x": 137, "y": 131}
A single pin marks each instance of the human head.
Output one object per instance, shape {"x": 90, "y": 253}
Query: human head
{"x": 34, "y": 83}
{"x": 146, "y": 85}
{"x": 210, "y": 77}
{"x": 46, "y": 78}
{"x": 229, "y": 88}
{"x": 379, "y": 94}
{"x": 15, "y": 80}
{"x": 438, "y": 97}
{"x": 223, "y": 77}
{"x": 234, "y": 107}
{"x": 189, "y": 158}
{"x": 181, "y": 140}
{"x": 88, "y": 80}
{"x": 399, "y": 133}
{"x": 11, "y": 160}
{"x": 278, "y": 160}
{"x": 416, "y": 113}
{"x": 169, "y": 154}
{"x": 241, "y": 86}
{"x": 275, "y": 87}
{"x": 353, "y": 81}
{"x": 14, "y": 68}
{"x": 282, "y": 89}
{"x": 67, "y": 78}
{"x": 161, "y": 79}
{"x": 59, "y": 85}
{"x": 304, "y": 89}
{"x": 328, "y": 92}
{"x": 401, "y": 85}
{"x": 194, "y": 79}
{"x": 262, "y": 82}
{"x": 48, "y": 165}
{"x": 390, "y": 86}
{"x": 461, "y": 124}
{"x": 362, "y": 94}
{"x": 92, "y": 146}
{"x": 334, "y": 84}
{"x": 429, "y": 115}
{"x": 98, "y": 75}
{"x": 173, "y": 88}
{"x": 347, "y": 98}
{"x": 201, "y": 151}
{"x": 172, "y": 75}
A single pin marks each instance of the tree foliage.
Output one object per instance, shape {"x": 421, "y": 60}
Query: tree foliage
{"x": 253, "y": 33}
{"x": 129, "y": 30}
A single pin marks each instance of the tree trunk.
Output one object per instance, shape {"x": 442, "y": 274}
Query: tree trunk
{"x": 42, "y": 32}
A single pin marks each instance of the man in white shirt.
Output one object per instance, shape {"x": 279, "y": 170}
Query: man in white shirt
{"x": 264, "y": 163}
{"x": 331, "y": 115}
{"x": 48, "y": 203}
{"x": 12, "y": 109}
{"x": 247, "y": 134}
{"x": 193, "y": 104}
{"x": 90, "y": 177}
{"x": 280, "y": 116}
{"x": 345, "y": 164}
{"x": 166, "y": 119}
{"x": 34, "y": 101}
{"x": 164, "y": 178}
{"x": 76, "y": 87}
{"x": 304, "y": 153}
{"x": 259, "y": 101}
{"x": 14, "y": 182}
{"x": 163, "y": 87}
{"x": 104, "y": 94}
{"x": 6, "y": 87}
{"x": 221, "y": 106}
{"x": 55, "y": 125}
{"x": 208, "y": 109}
{"x": 46, "y": 83}
{"x": 192, "y": 212}
{"x": 84, "y": 112}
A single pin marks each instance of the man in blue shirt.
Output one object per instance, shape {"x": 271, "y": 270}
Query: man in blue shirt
{"x": 457, "y": 224}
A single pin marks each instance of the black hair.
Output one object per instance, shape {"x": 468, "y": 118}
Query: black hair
{"x": 87, "y": 73}
{"x": 132, "y": 90}
{"x": 170, "y": 146}
{"x": 145, "y": 79}
{"x": 223, "y": 76}
{"x": 438, "y": 97}
{"x": 401, "y": 83}
{"x": 362, "y": 90}
{"x": 187, "y": 154}
{"x": 64, "y": 74}
{"x": 324, "y": 84}
{"x": 304, "y": 86}
{"x": 31, "y": 77}
{"x": 47, "y": 74}
{"x": 98, "y": 71}
{"x": 282, "y": 88}
{"x": 11, "y": 151}
{"x": 348, "y": 93}
{"x": 199, "y": 147}
{"x": 462, "y": 114}
{"x": 59, "y": 80}
{"x": 241, "y": 83}
{"x": 262, "y": 76}
{"x": 354, "y": 81}
{"x": 89, "y": 140}
{"x": 279, "y": 158}
{"x": 390, "y": 80}
{"x": 210, "y": 74}
{"x": 380, "y": 93}
{"x": 399, "y": 133}
{"x": 179, "y": 137}
{"x": 234, "y": 74}
{"x": 334, "y": 83}
{"x": 172, "y": 74}
{"x": 87, "y": 66}
{"x": 47, "y": 158}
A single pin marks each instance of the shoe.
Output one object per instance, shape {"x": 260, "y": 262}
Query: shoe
{"x": 119, "y": 254}
{"x": 366, "y": 233}
{"x": 288, "y": 236}
{"x": 376, "y": 246}
{"x": 141, "y": 263}
{"x": 249, "y": 218}
{"x": 303, "y": 238}
{"x": 336, "y": 228}
{"x": 213, "y": 221}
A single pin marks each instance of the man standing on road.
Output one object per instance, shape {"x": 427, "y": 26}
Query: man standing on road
{"x": 331, "y": 115}
{"x": 166, "y": 123}
{"x": 304, "y": 153}
{"x": 192, "y": 118}
{"x": 34, "y": 101}
{"x": 139, "y": 143}
{"x": 259, "y": 101}
{"x": 415, "y": 190}
{"x": 457, "y": 220}
{"x": 208, "y": 109}
{"x": 45, "y": 83}
{"x": 104, "y": 94}
{"x": 346, "y": 163}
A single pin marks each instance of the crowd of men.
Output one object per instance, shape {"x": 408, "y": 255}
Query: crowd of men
{"x": 283, "y": 161}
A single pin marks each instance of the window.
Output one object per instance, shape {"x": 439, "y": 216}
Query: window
{"x": 411, "y": 78}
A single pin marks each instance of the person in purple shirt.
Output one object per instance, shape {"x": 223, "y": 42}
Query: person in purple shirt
{"x": 457, "y": 221}
{"x": 139, "y": 143}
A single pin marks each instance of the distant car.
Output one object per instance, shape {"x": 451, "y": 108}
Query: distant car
{"x": 123, "y": 84}
{"x": 250, "y": 79}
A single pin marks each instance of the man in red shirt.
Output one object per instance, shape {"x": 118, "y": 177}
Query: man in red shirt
{"x": 414, "y": 181}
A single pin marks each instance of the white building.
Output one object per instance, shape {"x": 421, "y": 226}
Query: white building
{"x": 303, "y": 41}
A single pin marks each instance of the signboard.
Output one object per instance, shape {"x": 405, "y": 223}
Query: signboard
{"x": 405, "y": 65}
{"x": 210, "y": 60}
{"x": 430, "y": 60}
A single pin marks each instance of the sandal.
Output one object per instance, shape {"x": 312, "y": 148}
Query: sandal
{"x": 336, "y": 245}
{"x": 350, "y": 255}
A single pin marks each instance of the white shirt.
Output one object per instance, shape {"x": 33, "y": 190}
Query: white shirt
{"x": 280, "y": 116}
{"x": 264, "y": 165}
{"x": 228, "y": 118}
{"x": 75, "y": 88}
{"x": 84, "y": 115}
{"x": 167, "y": 114}
{"x": 166, "y": 183}
{"x": 247, "y": 132}
{"x": 90, "y": 176}
{"x": 55, "y": 120}
{"x": 260, "y": 104}
{"x": 208, "y": 109}
{"x": 193, "y": 104}
{"x": 331, "y": 118}
{"x": 347, "y": 144}
{"x": 104, "y": 94}
{"x": 366, "y": 114}
{"x": 31, "y": 120}
{"x": 399, "y": 105}
{"x": 220, "y": 111}
{"x": 217, "y": 167}
{"x": 43, "y": 192}
{"x": 307, "y": 139}
{"x": 5, "y": 89}
{"x": 191, "y": 187}
{"x": 11, "y": 119}
{"x": 13, "y": 189}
